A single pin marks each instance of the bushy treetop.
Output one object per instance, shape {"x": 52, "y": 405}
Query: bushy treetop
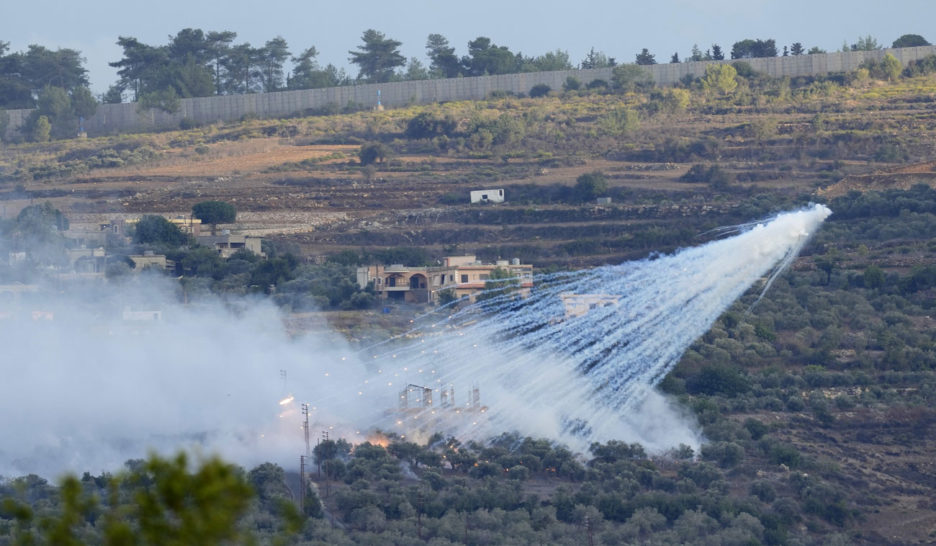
{"x": 157, "y": 230}
{"x": 214, "y": 212}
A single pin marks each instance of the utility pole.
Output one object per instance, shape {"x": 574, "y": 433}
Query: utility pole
{"x": 302, "y": 483}
{"x": 324, "y": 439}
{"x": 318, "y": 462}
{"x": 305, "y": 426}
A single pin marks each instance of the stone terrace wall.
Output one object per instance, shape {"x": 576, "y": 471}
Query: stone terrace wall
{"x": 124, "y": 118}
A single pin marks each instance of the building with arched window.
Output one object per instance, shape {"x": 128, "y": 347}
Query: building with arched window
{"x": 457, "y": 277}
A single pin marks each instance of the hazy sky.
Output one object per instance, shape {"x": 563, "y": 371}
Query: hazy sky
{"x": 618, "y": 28}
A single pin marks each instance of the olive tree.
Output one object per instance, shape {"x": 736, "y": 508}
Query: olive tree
{"x": 157, "y": 230}
{"x": 214, "y": 212}
{"x": 590, "y": 185}
{"x": 373, "y": 152}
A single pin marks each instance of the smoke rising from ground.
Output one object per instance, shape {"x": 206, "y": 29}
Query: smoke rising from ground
{"x": 98, "y": 384}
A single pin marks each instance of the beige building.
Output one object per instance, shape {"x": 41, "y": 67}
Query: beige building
{"x": 87, "y": 261}
{"x": 577, "y": 305}
{"x": 460, "y": 276}
{"x": 187, "y": 224}
{"x": 227, "y": 244}
{"x": 150, "y": 260}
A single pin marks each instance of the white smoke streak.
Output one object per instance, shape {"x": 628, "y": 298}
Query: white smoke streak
{"x": 88, "y": 390}
{"x": 587, "y": 378}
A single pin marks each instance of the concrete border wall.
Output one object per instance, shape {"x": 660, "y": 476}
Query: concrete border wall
{"x": 124, "y": 118}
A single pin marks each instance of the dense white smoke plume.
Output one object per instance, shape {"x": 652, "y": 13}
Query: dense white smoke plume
{"x": 90, "y": 380}
{"x": 99, "y": 383}
{"x": 577, "y": 361}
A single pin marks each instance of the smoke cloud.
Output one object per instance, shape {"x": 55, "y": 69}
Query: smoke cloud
{"x": 91, "y": 378}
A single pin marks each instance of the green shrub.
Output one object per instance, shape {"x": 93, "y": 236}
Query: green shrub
{"x": 428, "y": 125}
{"x": 187, "y": 123}
{"x": 40, "y": 130}
{"x": 921, "y": 67}
{"x": 589, "y": 186}
{"x": 539, "y": 90}
{"x": 744, "y": 69}
{"x": 764, "y": 491}
{"x": 214, "y": 212}
{"x": 701, "y": 173}
{"x": 726, "y": 454}
{"x": 783, "y": 453}
{"x": 756, "y": 428}
{"x": 4, "y": 122}
{"x": 571, "y": 84}
{"x": 718, "y": 379}
{"x": 373, "y": 152}
{"x": 153, "y": 229}
{"x": 630, "y": 77}
{"x": 597, "y": 83}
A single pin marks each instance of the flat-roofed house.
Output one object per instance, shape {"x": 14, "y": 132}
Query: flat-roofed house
{"x": 458, "y": 276}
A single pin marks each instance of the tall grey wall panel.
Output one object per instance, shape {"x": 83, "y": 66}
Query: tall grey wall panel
{"x": 125, "y": 118}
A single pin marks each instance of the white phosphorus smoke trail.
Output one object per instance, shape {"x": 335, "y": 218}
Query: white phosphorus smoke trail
{"x": 577, "y": 360}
